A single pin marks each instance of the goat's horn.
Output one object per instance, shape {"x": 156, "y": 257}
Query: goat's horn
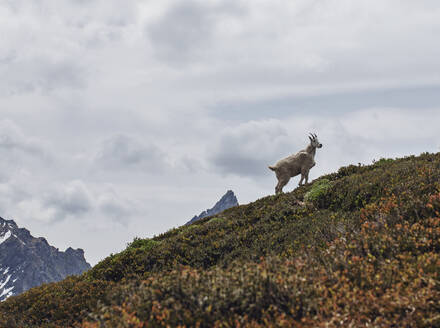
{"x": 315, "y": 136}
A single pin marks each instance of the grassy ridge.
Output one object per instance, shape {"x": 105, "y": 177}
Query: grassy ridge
{"x": 363, "y": 249}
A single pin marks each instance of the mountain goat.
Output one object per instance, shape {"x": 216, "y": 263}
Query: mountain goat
{"x": 299, "y": 163}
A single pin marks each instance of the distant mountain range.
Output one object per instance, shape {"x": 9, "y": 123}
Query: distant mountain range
{"x": 26, "y": 261}
{"x": 227, "y": 201}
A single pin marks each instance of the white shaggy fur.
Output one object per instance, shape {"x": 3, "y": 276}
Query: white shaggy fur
{"x": 299, "y": 163}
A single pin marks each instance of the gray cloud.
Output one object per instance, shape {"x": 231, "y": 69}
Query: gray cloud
{"x": 116, "y": 207}
{"x": 248, "y": 148}
{"x": 70, "y": 200}
{"x": 32, "y": 71}
{"x": 187, "y": 27}
{"x": 329, "y": 104}
{"x": 181, "y": 32}
{"x": 122, "y": 152}
{"x": 12, "y": 139}
{"x": 20, "y": 153}
{"x": 57, "y": 43}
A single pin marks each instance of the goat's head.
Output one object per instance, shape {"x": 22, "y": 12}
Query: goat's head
{"x": 314, "y": 141}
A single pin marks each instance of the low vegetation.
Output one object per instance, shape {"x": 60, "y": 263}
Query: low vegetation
{"x": 359, "y": 247}
{"x": 318, "y": 190}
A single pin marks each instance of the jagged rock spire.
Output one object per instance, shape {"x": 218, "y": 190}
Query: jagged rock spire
{"x": 227, "y": 201}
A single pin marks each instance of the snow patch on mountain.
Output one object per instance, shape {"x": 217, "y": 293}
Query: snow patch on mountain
{"x": 5, "y": 236}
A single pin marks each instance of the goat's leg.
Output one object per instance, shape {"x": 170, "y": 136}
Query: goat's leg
{"x": 302, "y": 179}
{"x": 307, "y": 177}
{"x": 304, "y": 176}
{"x": 281, "y": 183}
{"x": 277, "y": 188}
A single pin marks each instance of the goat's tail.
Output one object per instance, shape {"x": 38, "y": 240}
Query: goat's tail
{"x": 272, "y": 168}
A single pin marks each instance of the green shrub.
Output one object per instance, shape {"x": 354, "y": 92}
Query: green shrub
{"x": 383, "y": 161}
{"x": 187, "y": 228}
{"x": 144, "y": 244}
{"x": 216, "y": 220}
{"x": 318, "y": 190}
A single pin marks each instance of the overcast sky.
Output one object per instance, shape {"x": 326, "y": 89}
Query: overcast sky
{"x": 126, "y": 118}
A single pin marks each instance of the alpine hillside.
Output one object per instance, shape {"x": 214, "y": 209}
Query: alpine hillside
{"x": 356, "y": 248}
{"x": 26, "y": 261}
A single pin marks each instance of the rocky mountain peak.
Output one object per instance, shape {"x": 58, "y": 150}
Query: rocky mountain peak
{"x": 26, "y": 261}
{"x": 228, "y": 200}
